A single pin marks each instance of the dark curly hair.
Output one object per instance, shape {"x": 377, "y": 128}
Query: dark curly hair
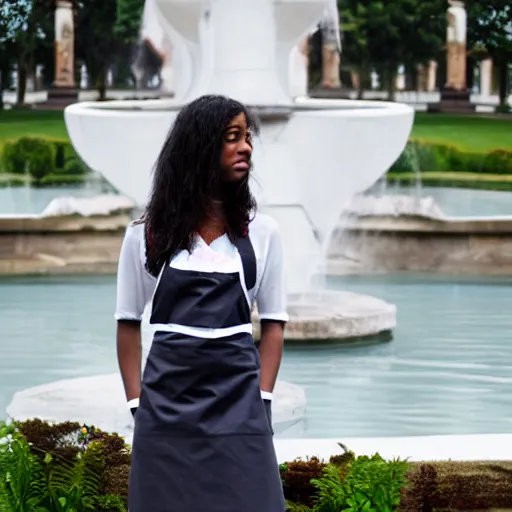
{"x": 187, "y": 176}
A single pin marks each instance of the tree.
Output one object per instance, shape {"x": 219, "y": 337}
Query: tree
{"x": 36, "y": 37}
{"x": 95, "y": 40}
{"x": 384, "y": 35}
{"x": 490, "y": 30}
{"x": 13, "y": 16}
{"x": 128, "y": 21}
{"x": 127, "y": 29}
{"x": 355, "y": 39}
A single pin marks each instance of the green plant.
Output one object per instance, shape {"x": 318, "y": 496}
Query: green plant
{"x": 74, "y": 166}
{"x": 296, "y": 507}
{"x": 62, "y": 467}
{"x": 60, "y": 154}
{"x": 498, "y": 161}
{"x": 29, "y": 155}
{"x": 371, "y": 485}
{"x": 22, "y": 479}
{"x": 71, "y": 486}
{"x": 407, "y": 161}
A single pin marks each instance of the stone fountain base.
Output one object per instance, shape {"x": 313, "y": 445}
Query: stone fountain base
{"x": 336, "y": 316}
{"x": 99, "y": 401}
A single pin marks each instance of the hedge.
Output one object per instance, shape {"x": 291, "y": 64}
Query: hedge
{"x": 41, "y": 158}
{"x": 423, "y": 156}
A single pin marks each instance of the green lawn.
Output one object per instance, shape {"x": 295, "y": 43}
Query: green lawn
{"x": 476, "y": 134}
{"x": 472, "y": 133}
{"x": 48, "y": 123}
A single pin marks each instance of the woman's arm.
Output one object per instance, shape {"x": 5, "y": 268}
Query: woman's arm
{"x": 129, "y": 357}
{"x": 271, "y": 353}
{"x": 134, "y": 290}
{"x": 271, "y": 300}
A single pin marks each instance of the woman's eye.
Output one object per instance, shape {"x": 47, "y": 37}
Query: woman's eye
{"x": 232, "y": 136}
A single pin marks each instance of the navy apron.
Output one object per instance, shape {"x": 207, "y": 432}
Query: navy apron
{"x": 203, "y": 437}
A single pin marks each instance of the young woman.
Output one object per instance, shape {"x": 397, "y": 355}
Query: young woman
{"x": 203, "y": 435}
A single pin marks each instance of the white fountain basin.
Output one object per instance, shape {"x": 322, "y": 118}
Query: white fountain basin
{"x": 307, "y": 165}
{"x": 99, "y": 401}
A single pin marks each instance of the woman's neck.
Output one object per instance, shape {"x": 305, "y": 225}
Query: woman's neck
{"x": 215, "y": 210}
{"x": 214, "y": 224}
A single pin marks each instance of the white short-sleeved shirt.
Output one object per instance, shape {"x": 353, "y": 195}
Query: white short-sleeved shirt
{"x": 135, "y": 286}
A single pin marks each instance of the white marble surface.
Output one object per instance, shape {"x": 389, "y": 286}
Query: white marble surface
{"x": 485, "y": 447}
{"x": 100, "y": 401}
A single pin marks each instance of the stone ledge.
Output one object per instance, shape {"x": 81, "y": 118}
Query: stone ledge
{"x": 24, "y": 224}
{"x": 412, "y": 224}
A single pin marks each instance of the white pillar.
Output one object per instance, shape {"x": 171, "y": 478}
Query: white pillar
{"x": 486, "y": 78}
{"x": 432, "y": 76}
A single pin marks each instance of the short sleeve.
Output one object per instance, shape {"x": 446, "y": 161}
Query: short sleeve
{"x": 135, "y": 286}
{"x": 271, "y": 296}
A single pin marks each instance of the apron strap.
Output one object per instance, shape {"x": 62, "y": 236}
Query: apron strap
{"x": 246, "y": 251}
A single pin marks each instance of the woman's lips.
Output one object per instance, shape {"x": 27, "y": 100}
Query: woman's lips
{"x": 242, "y": 165}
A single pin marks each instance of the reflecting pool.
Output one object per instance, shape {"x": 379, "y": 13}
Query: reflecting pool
{"x": 448, "y": 369}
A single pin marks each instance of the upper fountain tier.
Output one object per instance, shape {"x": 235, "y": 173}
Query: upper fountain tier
{"x": 239, "y": 48}
{"x": 312, "y": 155}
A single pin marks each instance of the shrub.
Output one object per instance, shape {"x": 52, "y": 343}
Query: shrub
{"x": 62, "y": 179}
{"x": 421, "y": 156}
{"x": 60, "y": 154}
{"x": 498, "y": 161}
{"x": 407, "y": 161}
{"x": 458, "y": 486}
{"x": 75, "y": 167}
{"x": 32, "y": 155}
{"x": 13, "y": 181}
{"x": 62, "y": 467}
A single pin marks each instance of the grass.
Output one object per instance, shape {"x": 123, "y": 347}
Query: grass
{"x": 472, "y": 180}
{"x": 472, "y": 133}
{"x": 19, "y": 123}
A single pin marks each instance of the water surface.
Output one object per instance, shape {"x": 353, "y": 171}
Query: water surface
{"x": 448, "y": 369}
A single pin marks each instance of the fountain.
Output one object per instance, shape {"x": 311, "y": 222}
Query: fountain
{"x": 311, "y": 157}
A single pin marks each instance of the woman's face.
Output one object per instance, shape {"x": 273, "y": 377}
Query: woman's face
{"x": 235, "y": 158}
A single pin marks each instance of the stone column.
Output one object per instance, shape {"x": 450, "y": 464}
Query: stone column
{"x": 486, "y": 77}
{"x": 456, "y": 46}
{"x": 455, "y": 97}
{"x": 421, "y": 78}
{"x": 432, "y": 76}
{"x": 64, "y": 45}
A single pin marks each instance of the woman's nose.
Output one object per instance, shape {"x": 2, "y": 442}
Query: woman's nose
{"x": 245, "y": 148}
